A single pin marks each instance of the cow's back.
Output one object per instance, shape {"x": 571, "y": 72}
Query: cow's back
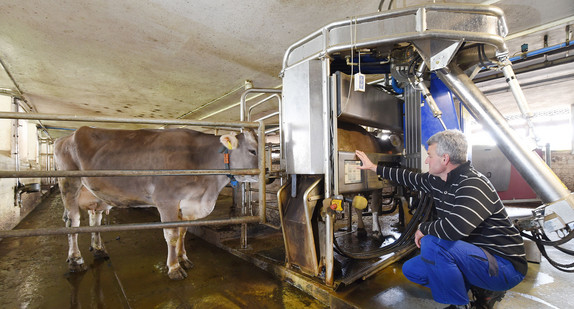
{"x": 173, "y": 149}
{"x": 351, "y": 137}
{"x": 142, "y": 149}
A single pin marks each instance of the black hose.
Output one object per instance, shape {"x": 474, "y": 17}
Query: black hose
{"x": 382, "y": 2}
{"x": 549, "y": 242}
{"x": 538, "y": 238}
{"x": 421, "y": 214}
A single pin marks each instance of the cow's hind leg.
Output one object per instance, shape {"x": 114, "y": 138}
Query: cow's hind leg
{"x": 169, "y": 212}
{"x": 184, "y": 261}
{"x": 97, "y": 246}
{"x": 70, "y": 189}
{"x": 361, "y": 232}
{"x": 376, "y": 204}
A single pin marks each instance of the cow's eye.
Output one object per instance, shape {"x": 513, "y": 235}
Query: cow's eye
{"x": 253, "y": 152}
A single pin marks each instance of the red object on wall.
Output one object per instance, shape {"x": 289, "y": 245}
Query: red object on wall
{"x": 518, "y": 188}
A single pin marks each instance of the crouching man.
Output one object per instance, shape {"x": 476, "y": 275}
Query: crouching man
{"x": 472, "y": 245}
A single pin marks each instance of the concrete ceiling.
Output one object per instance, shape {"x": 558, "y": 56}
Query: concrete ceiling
{"x": 165, "y": 59}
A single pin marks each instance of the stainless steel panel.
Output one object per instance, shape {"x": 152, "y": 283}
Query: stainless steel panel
{"x": 352, "y": 179}
{"x": 372, "y": 108}
{"x": 493, "y": 164}
{"x": 303, "y": 118}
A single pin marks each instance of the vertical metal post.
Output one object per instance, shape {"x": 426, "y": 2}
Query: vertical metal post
{"x": 328, "y": 125}
{"x": 538, "y": 175}
{"x": 243, "y": 237}
{"x": 262, "y": 185}
{"x": 329, "y": 254}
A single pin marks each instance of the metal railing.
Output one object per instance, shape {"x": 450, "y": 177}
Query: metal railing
{"x": 260, "y": 126}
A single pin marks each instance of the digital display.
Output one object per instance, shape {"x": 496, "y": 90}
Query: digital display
{"x": 352, "y": 173}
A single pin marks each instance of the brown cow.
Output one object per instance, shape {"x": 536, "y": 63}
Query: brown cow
{"x": 175, "y": 197}
{"x": 352, "y": 137}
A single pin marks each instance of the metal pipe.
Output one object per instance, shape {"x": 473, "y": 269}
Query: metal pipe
{"x": 262, "y": 185}
{"x": 124, "y": 173}
{"x": 329, "y": 253}
{"x": 268, "y": 116}
{"x": 31, "y": 116}
{"x": 123, "y": 227}
{"x": 261, "y": 102}
{"x": 328, "y": 121}
{"x": 519, "y": 96}
{"x": 274, "y": 130}
{"x": 538, "y": 175}
{"x": 252, "y": 90}
{"x": 243, "y": 235}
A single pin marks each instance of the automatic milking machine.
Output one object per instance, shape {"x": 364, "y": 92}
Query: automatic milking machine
{"x": 390, "y": 74}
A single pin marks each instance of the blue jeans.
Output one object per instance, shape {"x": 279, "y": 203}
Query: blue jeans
{"x": 449, "y": 268}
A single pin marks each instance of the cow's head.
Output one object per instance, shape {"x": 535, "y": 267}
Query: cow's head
{"x": 242, "y": 152}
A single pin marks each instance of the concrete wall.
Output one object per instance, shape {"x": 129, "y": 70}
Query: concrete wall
{"x": 11, "y": 211}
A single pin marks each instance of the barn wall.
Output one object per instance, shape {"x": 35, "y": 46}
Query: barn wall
{"x": 11, "y": 212}
{"x": 562, "y": 163}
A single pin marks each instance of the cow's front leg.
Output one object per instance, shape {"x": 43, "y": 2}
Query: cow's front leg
{"x": 175, "y": 271}
{"x": 97, "y": 246}
{"x": 75, "y": 260}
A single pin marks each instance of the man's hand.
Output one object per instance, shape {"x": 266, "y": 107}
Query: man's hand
{"x": 418, "y": 236}
{"x": 367, "y": 164}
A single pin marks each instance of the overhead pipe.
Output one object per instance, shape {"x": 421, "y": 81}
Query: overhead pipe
{"x": 518, "y": 95}
{"x": 487, "y": 55}
{"x": 124, "y": 173}
{"x": 539, "y": 51}
{"x": 532, "y": 168}
{"x": 199, "y": 123}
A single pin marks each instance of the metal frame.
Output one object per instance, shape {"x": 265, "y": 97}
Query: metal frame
{"x": 130, "y": 173}
{"x": 437, "y": 31}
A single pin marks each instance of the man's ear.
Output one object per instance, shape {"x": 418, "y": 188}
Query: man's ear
{"x": 446, "y": 159}
{"x": 229, "y": 141}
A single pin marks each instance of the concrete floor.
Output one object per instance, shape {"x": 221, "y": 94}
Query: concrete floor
{"x": 33, "y": 274}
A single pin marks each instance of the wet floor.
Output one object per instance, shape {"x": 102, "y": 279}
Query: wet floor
{"x": 34, "y": 274}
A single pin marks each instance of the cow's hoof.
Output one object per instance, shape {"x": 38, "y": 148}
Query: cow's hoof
{"x": 100, "y": 254}
{"x": 361, "y": 233}
{"x": 76, "y": 265}
{"x": 177, "y": 273}
{"x": 378, "y": 236}
{"x": 185, "y": 263}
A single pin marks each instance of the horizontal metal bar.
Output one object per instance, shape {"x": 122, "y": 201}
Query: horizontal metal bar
{"x": 31, "y": 116}
{"x": 124, "y": 173}
{"x": 124, "y": 227}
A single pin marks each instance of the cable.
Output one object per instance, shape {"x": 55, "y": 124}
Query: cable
{"x": 422, "y": 213}
{"x": 540, "y": 239}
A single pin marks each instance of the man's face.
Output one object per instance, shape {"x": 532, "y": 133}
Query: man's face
{"x": 437, "y": 164}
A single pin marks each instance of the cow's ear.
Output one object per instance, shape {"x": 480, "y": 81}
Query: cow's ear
{"x": 229, "y": 141}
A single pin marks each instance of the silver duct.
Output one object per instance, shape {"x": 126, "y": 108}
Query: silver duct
{"x": 538, "y": 175}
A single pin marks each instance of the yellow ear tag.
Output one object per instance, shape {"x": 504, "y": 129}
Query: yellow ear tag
{"x": 229, "y": 145}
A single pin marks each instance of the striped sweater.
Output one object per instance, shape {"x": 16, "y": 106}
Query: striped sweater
{"x": 468, "y": 209}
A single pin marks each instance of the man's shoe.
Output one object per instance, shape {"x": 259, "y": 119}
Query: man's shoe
{"x": 457, "y": 307}
{"x": 485, "y": 299}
